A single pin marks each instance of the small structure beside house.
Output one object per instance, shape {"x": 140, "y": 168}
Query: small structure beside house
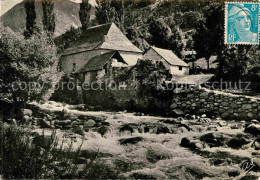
{"x": 172, "y": 63}
{"x": 102, "y": 65}
{"x": 96, "y": 41}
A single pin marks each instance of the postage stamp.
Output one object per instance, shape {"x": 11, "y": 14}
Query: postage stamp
{"x": 241, "y": 23}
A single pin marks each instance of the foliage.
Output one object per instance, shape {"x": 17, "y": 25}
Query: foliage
{"x": 165, "y": 36}
{"x": 48, "y": 20}
{"x": 64, "y": 41}
{"x": 25, "y": 154}
{"x": 29, "y": 6}
{"x": 84, "y": 14}
{"x": 111, "y": 11}
{"x": 29, "y": 66}
{"x": 149, "y": 84}
{"x": 208, "y": 37}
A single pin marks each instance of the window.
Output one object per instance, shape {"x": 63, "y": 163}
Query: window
{"x": 180, "y": 68}
{"x": 74, "y": 67}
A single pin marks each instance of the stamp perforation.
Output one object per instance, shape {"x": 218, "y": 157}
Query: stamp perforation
{"x": 226, "y": 22}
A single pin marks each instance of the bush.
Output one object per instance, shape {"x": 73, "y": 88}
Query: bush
{"x": 29, "y": 66}
{"x": 30, "y": 155}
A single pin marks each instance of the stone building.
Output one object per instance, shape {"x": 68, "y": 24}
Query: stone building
{"x": 96, "y": 41}
{"x": 172, "y": 63}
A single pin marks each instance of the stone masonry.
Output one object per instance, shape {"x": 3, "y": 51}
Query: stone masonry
{"x": 218, "y": 104}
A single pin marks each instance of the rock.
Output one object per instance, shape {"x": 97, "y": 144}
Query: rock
{"x": 222, "y": 123}
{"x": 204, "y": 120}
{"x": 142, "y": 175}
{"x": 89, "y": 123}
{"x": 44, "y": 123}
{"x": 253, "y": 129}
{"x": 178, "y": 112}
{"x": 185, "y": 142}
{"x": 185, "y": 126}
{"x": 198, "y": 145}
{"x": 173, "y": 106}
{"x": 180, "y": 119}
{"x": 237, "y": 142}
{"x": 103, "y": 130}
{"x": 79, "y": 130}
{"x": 182, "y": 130}
{"x": 126, "y": 127}
{"x": 214, "y": 139}
{"x": 249, "y": 177}
{"x": 254, "y": 121}
{"x": 26, "y": 118}
{"x": 169, "y": 121}
{"x": 218, "y": 162}
{"x": 161, "y": 129}
{"x": 74, "y": 124}
{"x": 132, "y": 140}
{"x": 256, "y": 144}
{"x": 233, "y": 173}
{"x": 80, "y": 107}
{"x": 203, "y": 115}
{"x": 26, "y": 112}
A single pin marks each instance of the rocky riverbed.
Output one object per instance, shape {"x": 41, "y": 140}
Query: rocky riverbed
{"x": 148, "y": 147}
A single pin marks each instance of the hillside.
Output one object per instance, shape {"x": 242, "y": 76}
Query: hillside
{"x": 66, "y": 16}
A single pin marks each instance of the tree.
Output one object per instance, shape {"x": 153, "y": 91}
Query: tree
{"x": 29, "y": 66}
{"x": 84, "y": 14}
{"x": 111, "y": 11}
{"x": 48, "y": 19}
{"x": 164, "y": 36}
{"x": 209, "y": 35}
{"x": 30, "y": 17}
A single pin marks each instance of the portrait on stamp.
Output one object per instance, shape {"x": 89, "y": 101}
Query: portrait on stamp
{"x": 242, "y": 23}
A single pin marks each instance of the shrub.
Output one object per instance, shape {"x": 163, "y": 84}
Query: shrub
{"x": 29, "y": 155}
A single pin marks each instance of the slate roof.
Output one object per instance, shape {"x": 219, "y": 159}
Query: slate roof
{"x": 106, "y": 36}
{"x": 170, "y": 57}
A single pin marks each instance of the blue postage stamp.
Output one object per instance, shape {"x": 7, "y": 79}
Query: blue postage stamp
{"x": 241, "y": 23}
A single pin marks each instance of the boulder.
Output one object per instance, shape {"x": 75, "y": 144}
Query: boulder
{"x": 103, "y": 130}
{"x": 26, "y": 112}
{"x": 89, "y": 123}
{"x": 255, "y": 121}
{"x": 233, "y": 173}
{"x": 161, "y": 129}
{"x": 26, "y": 118}
{"x": 253, "y": 129}
{"x": 173, "y": 106}
{"x": 132, "y": 140}
{"x": 256, "y": 144}
{"x": 44, "y": 123}
{"x": 214, "y": 139}
{"x": 249, "y": 177}
{"x": 80, "y": 107}
{"x": 237, "y": 142}
{"x": 203, "y": 115}
{"x": 178, "y": 112}
{"x": 185, "y": 142}
{"x": 79, "y": 130}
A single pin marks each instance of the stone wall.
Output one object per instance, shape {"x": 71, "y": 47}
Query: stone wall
{"x": 218, "y": 104}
